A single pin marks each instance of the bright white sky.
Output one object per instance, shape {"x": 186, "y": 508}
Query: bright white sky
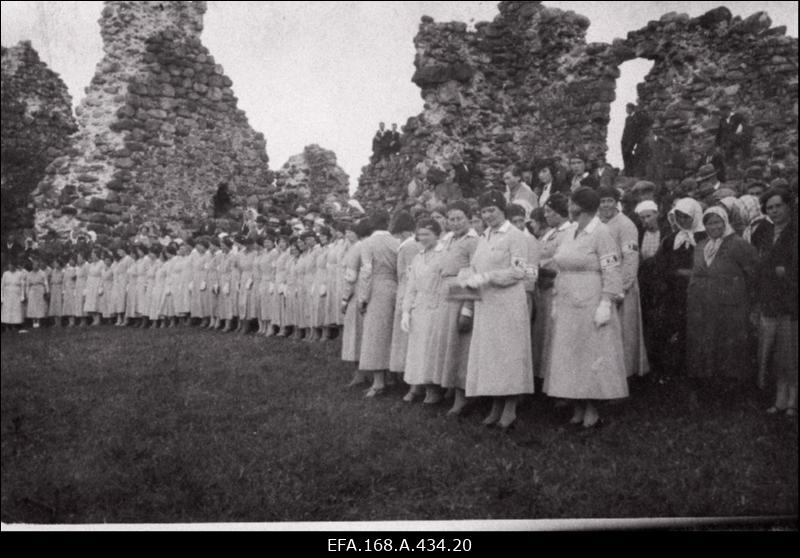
{"x": 328, "y": 72}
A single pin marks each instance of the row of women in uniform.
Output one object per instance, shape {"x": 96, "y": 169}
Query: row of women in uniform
{"x": 287, "y": 289}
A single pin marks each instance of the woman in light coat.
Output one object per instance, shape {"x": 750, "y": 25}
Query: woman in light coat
{"x": 55, "y": 306}
{"x": 352, "y": 329}
{"x": 69, "y": 306}
{"x": 37, "y": 290}
{"x": 13, "y": 297}
{"x": 403, "y": 228}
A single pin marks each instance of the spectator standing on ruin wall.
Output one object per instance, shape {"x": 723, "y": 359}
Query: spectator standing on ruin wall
{"x": 637, "y": 126}
{"x": 379, "y": 143}
{"x": 393, "y": 141}
{"x": 222, "y": 200}
{"x": 734, "y": 136}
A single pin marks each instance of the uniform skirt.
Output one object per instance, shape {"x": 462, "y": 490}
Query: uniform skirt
{"x": 449, "y": 348}
{"x": 376, "y": 343}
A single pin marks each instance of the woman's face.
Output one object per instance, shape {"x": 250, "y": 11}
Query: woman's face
{"x": 282, "y": 244}
{"x": 544, "y": 176}
{"x": 478, "y": 224}
{"x": 294, "y": 250}
{"x": 608, "y": 208}
{"x": 511, "y": 180}
{"x": 715, "y": 226}
{"x": 777, "y": 210}
{"x": 324, "y": 240}
{"x": 457, "y": 221}
{"x": 107, "y": 261}
{"x": 553, "y": 218}
{"x": 649, "y": 219}
{"x": 518, "y": 221}
{"x": 80, "y": 259}
{"x": 492, "y": 216}
{"x": 439, "y": 218}
{"x": 311, "y": 242}
{"x": 427, "y": 238}
{"x": 683, "y": 220}
{"x": 93, "y": 257}
{"x": 575, "y": 210}
{"x": 351, "y": 236}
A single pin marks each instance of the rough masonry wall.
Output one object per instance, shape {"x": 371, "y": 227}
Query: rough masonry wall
{"x": 36, "y": 121}
{"x": 312, "y": 177}
{"x": 159, "y": 129}
{"x": 527, "y": 86}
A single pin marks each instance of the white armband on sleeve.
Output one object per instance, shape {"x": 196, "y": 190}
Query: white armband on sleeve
{"x": 609, "y": 261}
{"x": 630, "y": 247}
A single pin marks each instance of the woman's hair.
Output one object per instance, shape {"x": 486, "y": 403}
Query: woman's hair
{"x": 537, "y": 215}
{"x": 402, "y": 222}
{"x": 380, "y": 220}
{"x": 440, "y": 209}
{"x": 363, "y": 228}
{"x": 431, "y": 225}
{"x": 462, "y": 206}
{"x": 558, "y": 203}
{"x": 515, "y": 210}
{"x": 783, "y": 193}
{"x": 587, "y": 199}
{"x": 155, "y": 249}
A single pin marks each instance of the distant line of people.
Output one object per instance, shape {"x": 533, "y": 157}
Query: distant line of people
{"x": 385, "y": 143}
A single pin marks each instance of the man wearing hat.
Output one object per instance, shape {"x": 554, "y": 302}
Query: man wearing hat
{"x": 707, "y": 182}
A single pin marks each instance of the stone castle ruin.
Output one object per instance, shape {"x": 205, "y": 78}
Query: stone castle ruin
{"x": 527, "y": 86}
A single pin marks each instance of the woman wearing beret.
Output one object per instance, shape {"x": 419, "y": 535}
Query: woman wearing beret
{"x": 420, "y": 302}
{"x": 556, "y": 210}
{"x": 626, "y": 235}
{"x": 500, "y": 362}
{"x": 453, "y": 330}
{"x": 376, "y": 300}
{"x": 719, "y": 298}
{"x": 353, "y": 319}
{"x": 403, "y": 227}
{"x": 587, "y": 363}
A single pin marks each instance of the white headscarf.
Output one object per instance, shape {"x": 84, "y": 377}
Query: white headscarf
{"x": 692, "y": 208}
{"x": 713, "y": 245}
{"x": 647, "y": 205}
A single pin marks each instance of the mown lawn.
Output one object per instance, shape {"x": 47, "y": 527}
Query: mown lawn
{"x": 115, "y": 425}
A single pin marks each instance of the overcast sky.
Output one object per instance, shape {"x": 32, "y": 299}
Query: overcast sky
{"x": 328, "y": 72}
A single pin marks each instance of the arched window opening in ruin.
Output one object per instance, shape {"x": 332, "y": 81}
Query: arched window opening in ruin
{"x": 632, "y": 73}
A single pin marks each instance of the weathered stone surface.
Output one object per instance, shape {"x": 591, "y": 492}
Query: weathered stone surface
{"x": 36, "y": 123}
{"x": 312, "y": 177}
{"x": 535, "y": 89}
{"x": 159, "y": 123}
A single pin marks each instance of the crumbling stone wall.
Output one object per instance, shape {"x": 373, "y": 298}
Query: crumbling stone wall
{"x": 312, "y": 177}
{"x": 36, "y": 121}
{"x": 528, "y": 86}
{"x": 159, "y": 129}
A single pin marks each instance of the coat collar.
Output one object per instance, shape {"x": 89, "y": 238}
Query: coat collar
{"x": 503, "y": 229}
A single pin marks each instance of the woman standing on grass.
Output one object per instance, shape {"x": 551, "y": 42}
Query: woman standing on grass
{"x": 106, "y": 302}
{"x": 120, "y": 284}
{"x": 353, "y": 319}
{"x": 182, "y": 296}
{"x": 13, "y": 296}
{"x": 132, "y": 278}
{"x": 403, "y": 229}
{"x": 248, "y": 303}
{"x": 55, "y": 306}
{"x": 37, "y": 290}
{"x": 420, "y": 303}
{"x": 171, "y": 282}
{"x": 264, "y": 264}
{"x": 776, "y": 293}
{"x": 94, "y": 287}
{"x": 281, "y": 270}
{"x": 69, "y": 306}
{"x": 81, "y": 277}
{"x": 291, "y": 289}
{"x": 719, "y": 295}
{"x": 500, "y": 362}
{"x": 157, "y": 290}
{"x": 197, "y": 283}
{"x": 452, "y": 333}
{"x": 150, "y": 303}
{"x": 321, "y": 285}
{"x": 143, "y": 283}
{"x": 587, "y": 363}
{"x": 556, "y": 211}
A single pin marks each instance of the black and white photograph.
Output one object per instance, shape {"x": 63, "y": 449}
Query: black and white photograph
{"x": 448, "y": 267}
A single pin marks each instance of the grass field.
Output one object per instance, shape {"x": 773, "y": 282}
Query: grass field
{"x": 113, "y": 425}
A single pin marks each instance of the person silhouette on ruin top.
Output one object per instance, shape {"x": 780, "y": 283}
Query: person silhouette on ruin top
{"x": 393, "y": 142}
{"x": 637, "y": 126}
{"x": 733, "y": 134}
{"x": 223, "y": 202}
{"x": 379, "y": 143}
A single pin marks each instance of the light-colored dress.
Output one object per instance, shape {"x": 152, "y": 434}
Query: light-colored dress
{"x": 36, "y": 287}
{"x": 198, "y": 302}
{"x": 212, "y": 266}
{"x": 281, "y": 268}
{"x": 450, "y": 348}
{"x": 353, "y": 319}
{"x": 119, "y": 289}
{"x": 143, "y": 283}
{"x": 587, "y": 362}
{"x": 227, "y": 293}
{"x": 421, "y": 300}
{"x": 55, "y": 307}
{"x": 500, "y": 361}
{"x": 150, "y": 301}
{"x": 156, "y": 295}
{"x": 379, "y": 276}
{"x": 626, "y": 235}
{"x": 263, "y": 264}
{"x": 180, "y": 294}
{"x": 248, "y": 301}
{"x": 545, "y": 295}
{"x": 81, "y": 278}
{"x": 406, "y": 253}
{"x": 105, "y": 302}
{"x": 305, "y": 278}
{"x": 13, "y": 290}
{"x": 132, "y": 288}
{"x": 94, "y": 287}
{"x": 172, "y": 278}
{"x": 273, "y": 312}
{"x": 292, "y": 292}
{"x": 319, "y": 289}
{"x": 69, "y": 305}
{"x": 333, "y": 263}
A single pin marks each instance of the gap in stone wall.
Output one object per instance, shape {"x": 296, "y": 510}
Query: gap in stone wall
{"x": 632, "y": 73}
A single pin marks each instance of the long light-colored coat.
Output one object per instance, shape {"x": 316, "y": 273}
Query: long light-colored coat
{"x": 120, "y": 287}
{"x": 379, "y": 274}
{"x": 81, "y": 276}
{"x": 69, "y": 306}
{"x": 13, "y": 291}
{"x": 353, "y": 320}
{"x": 587, "y": 362}
{"x": 36, "y": 287}
{"x": 106, "y": 301}
{"x": 421, "y": 300}
{"x": 406, "y": 253}
{"x": 55, "y": 306}
{"x": 500, "y": 361}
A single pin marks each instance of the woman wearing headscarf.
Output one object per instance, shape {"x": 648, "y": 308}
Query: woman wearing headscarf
{"x": 403, "y": 229}
{"x": 626, "y": 235}
{"x": 738, "y": 216}
{"x": 452, "y": 331}
{"x": 500, "y": 361}
{"x": 751, "y": 206}
{"x": 587, "y": 363}
{"x": 376, "y": 300}
{"x": 674, "y": 263}
{"x": 776, "y": 294}
{"x": 353, "y": 319}
{"x": 719, "y": 299}
{"x": 556, "y": 210}
{"x": 419, "y": 309}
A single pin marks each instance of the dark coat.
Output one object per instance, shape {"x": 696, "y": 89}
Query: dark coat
{"x": 636, "y": 127}
{"x": 777, "y": 296}
{"x": 726, "y": 132}
{"x": 718, "y": 310}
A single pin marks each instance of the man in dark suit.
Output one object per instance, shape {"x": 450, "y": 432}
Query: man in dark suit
{"x": 379, "y": 143}
{"x": 637, "y": 124}
{"x": 606, "y": 174}
{"x": 733, "y": 134}
{"x": 393, "y": 141}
